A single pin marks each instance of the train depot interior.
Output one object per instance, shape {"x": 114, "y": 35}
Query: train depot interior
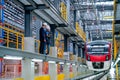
{"x": 84, "y": 40}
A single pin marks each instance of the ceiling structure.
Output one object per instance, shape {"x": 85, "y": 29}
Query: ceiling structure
{"x": 97, "y": 16}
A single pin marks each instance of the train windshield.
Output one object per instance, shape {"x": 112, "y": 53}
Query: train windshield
{"x": 97, "y": 50}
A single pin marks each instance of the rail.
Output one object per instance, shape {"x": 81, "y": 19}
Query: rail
{"x": 101, "y": 76}
{"x": 95, "y": 75}
{"x": 11, "y": 38}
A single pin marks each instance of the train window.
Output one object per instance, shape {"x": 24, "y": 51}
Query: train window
{"x": 97, "y": 49}
{"x": 106, "y": 49}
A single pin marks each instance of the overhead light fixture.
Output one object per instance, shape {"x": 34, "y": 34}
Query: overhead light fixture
{"x": 68, "y": 63}
{"x": 80, "y": 65}
{"x": 37, "y": 60}
{"x": 61, "y": 62}
{"x": 51, "y": 61}
{"x": 73, "y": 64}
{"x": 12, "y": 57}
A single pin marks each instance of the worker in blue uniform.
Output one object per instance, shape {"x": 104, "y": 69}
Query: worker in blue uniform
{"x": 48, "y": 34}
{"x": 42, "y": 37}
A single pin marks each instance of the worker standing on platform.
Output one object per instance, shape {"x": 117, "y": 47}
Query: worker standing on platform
{"x": 48, "y": 34}
{"x": 42, "y": 33}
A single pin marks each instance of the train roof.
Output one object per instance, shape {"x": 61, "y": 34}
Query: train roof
{"x": 98, "y": 42}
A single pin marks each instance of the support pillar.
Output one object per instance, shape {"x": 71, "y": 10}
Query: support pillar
{"x": 75, "y": 70}
{"x": 74, "y": 51}
{"x": 53, "y": 48}
{"x": 27, "y": 64}
{"x": 27, "y": 69}
{"x": 66, "y": 70}
{"x": 53, "y": 70}
{"x": 66, "y": 53}
{"x": 53, "y": 52}
{"x": 79, "y": 53}
{"x": 28, "y": 31}
{"x": 84, "y": 27}
{"x": 75, "y": 19}
{"x": 79, "y": 69}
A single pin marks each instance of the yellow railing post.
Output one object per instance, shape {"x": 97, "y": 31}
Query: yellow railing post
{"x": 17, "y": 43}
{"x": 38, "y": 46}
{"x": 115, "y": 48}
{"x": 7, "y": 38}
{"x": 22, "y": 42}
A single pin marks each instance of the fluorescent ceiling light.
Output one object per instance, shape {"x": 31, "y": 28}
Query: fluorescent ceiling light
{"x": 99, "y": 3}
{"x": 73, "y": 64}
{"x": 51, "y": 61}
{"x": 12, "y": 57}
{"x": 105, "y": 3}
{"x": 68, "y": 63}
{"x": 61, "y": 62}
{"x": 37, "y": 60}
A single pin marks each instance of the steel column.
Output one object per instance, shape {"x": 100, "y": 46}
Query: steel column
{"x": 28, "y": 31}
{"x": 65, "y": 43}
{"x": 84, "y": 27}
{"x": 79, "y": 55}
{"x": 53, "y": 27}
{"x": 75, "y": 19}
{"x": 74, "y": 52}
{"x": 83, "y": 55}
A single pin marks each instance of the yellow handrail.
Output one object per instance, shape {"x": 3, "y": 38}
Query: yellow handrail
{"x": 10, "y": 39}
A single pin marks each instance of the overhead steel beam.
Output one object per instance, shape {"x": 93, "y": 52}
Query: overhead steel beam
{"x": 62, "y": 25}
{"x": 32, "y": 3}
{"x": 55, "y": 11}
{"x": 41, "y": 18}
{"x": 40, "y": 6}
{"x": 101, "y": 8}
{"x": 52, "y": 19}
{"x": 89, "y": 22}
{"x": 98, "y": 7}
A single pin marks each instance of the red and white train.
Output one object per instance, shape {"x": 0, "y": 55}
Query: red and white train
{"x": 98, "y": 55}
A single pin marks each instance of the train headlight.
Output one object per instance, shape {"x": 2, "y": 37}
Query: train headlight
{"x": 88, "y": 58}
{"x": 107, "y": 58}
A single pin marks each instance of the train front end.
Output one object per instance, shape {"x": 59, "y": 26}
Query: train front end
{"x": 98, "y": 56}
